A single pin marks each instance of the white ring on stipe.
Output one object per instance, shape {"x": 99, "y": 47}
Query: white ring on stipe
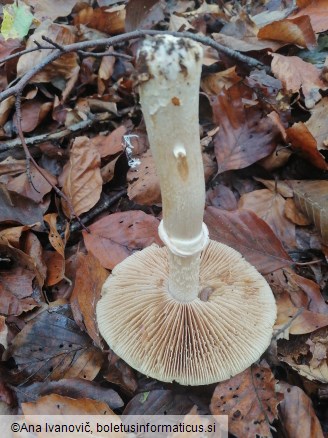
{"x": 184, "y": 248}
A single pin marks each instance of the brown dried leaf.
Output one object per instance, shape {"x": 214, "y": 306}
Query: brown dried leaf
{"x": 108, "y": 171}
{"x": 311, "y": 198}
{"x": 73, "y": 388}
{"x": 317, "y": 10}
{"x": 293, "y": 214}
{"x": 21, "y": 185}
{"x": 55, "y": 267}
{"x": 317, "y": 123}
{"x": 301, "y": 307}
{"x": 143, "y": 182}
{"x": 269, "y": 206}
{"x": 294, "y": 73}
{"x": 3, "y": 334}
{"x": 120, "y": 373}
{"x": 55, "y": 404}
{"x": 250, "y": 401}
{"x": 47, "y": 9}
{"x": 54, "y": 237}
{"x": 33, "y": 113}
{"x": 51, "y": 347}
{"x": 64, "y": 67}
{"x": 293, "y": 31}
{"x": 25, "y": 212}
{"x": 107, "y": 20}
{"x": 90, "y": 277}
{"x": 279, "y": 186}
{"x": 110, "y": 144}
{"x": 297, "y": 413}
{"x": 248, "y": 234}
{"x": 299, "y": 353}
{"x": 12, "y": 235}
{"x": 17, "y": 292}
{"x": 245, "y": 136}
{"x": 115, "y": 237}
{"x": 83, "y": 182}
{"x": 143, "y": 14}
{"x": 214, "y": 83}
{"x": 305, "y": 144}
{"x": 221, "y": 197}
{"x": 163, "y": 402}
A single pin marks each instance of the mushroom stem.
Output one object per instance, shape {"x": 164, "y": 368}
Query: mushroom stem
{"x": 169, "y": 74}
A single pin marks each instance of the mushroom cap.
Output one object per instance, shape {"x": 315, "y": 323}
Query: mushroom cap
{"x": 215, "y": 336}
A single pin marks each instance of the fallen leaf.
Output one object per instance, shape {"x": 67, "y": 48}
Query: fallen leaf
{"x": 55, "y": 404}
{"x": 143, "y": 14}
{"x": 294, "y": 215}
{"x": 317, "y": 123}
{"x": 250, "y": 400}
{"x": 248, "y": 234}
{"x": 108, "y": 171}
{"x": 54, "y": 237}
{"x": 17, "y": 19}
{"x": 311, "y": 198}
{"x": 110, "y": 144}
{"x": 299, "y": 354}
{"x": 8, "y": 46}
{"x": 89, "y": 279}
{"x": 292, "y": 31}
{"x": 214, "y": 83}
{"x": 83, "y": 182}
{"x": 317, "y": 10}
{"x": 18, "y": 293}
{"x": 294, "y": 73}
{"x": 12, "y": 235}
{"x": 120, "y": 373}
{"x": 297, "y": 413}
{"x": 51, "y": 347}
{"x": 160, "y": 402}
{"x": 26, "y": 211}
{"x": 115, "y": 237}
{"x": 62, "y": 68}
{"x": 294, "y": 296}
{"x": 270, "y": 206}
{"x": 3, "y": 334}
{"x": 143, "y": 182}
{"x": 55, "y": 267}
{"x": 305, "y": 144}
{"x": 73, "y": 388}
{"x": 279, "y": 186}
{"x": 245, "y": 134}
{"x": 108, "y": 20}
{"x": 221, "y": 197}
{"x": 34, "y": 111}
{"x": 46, "y": 9}
{"x": 36, "y": 192}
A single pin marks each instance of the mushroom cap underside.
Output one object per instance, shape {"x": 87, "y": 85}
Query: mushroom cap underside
{"x": 210, "y": 339}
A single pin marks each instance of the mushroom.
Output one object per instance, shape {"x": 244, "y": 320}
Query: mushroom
{"x": 193, "y": 311}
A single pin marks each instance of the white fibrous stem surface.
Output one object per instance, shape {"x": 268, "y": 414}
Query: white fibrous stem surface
{"x": 169, "y": 71}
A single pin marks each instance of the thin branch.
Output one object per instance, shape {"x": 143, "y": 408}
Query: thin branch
{"x": 102, "y": 206}
{"x": 104, "y": 42}
{"x": 25, "y": 52}
{"x": 73, "y": 129}
{"x": 101, "y": 54}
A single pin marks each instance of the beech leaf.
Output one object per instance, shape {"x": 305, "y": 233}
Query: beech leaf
{"x": 248, "y": 234}
{"x": 83, "y": 182}
{"x": 115, "y": 237}
{"x": 250, "y": 401}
